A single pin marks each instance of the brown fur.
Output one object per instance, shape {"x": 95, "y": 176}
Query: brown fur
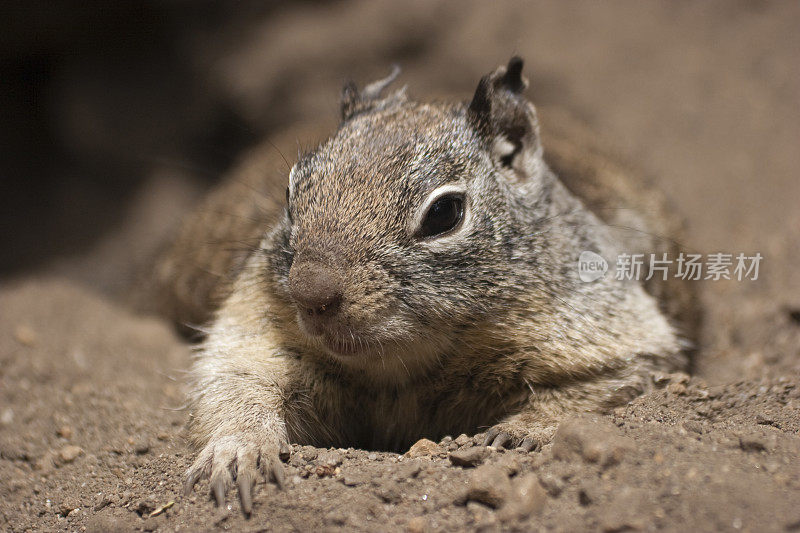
{"x": 487, "y": 327}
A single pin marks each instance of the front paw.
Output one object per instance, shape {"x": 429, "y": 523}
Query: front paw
{"x": 515, "y": 434}
{"x": 236, "y": 457}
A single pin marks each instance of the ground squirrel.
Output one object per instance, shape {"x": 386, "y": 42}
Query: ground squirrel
{"x": 418, "y": 279}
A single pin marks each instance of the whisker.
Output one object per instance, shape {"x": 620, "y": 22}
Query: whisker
{"x": 180, "y": 408}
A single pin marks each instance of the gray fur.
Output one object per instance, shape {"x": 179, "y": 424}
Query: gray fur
{"x": 487, "y": 327}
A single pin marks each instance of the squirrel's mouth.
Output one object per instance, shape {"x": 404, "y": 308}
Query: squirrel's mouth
{"x": 335, "y": 338}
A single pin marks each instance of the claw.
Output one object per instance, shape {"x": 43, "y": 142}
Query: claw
{"x": 501, "y": 440}
{"x": 490, "y": 435}
{"x": 191, "y": 481}
{"x": 275, "y": 473}
{"x": 528, "y": 444}
{"x": 245, "y": 493}
{"x": 246, "y": 470}
{"x": 218, "y": 488}
{"x": 230, "y": 458}
{"x": 224, "y": 457}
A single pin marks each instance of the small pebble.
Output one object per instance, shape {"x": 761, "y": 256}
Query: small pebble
{"x": 462, "y": 440}
{"x": 336, "y": 518}
{"x": 591, "y": 438}
{"x": 469, "y": 457}
{"x": 67, "y": 454}
{"x": 330, "y": 458}
{"x": 527, "y": 498}
{"x": 660, "y": 378}
{"x": 766, "y": 421}
{"x": 408, "y": 470}
{"x": 145, "y": 506}
{"x": 310, "y": 454}
{"x": 325, "y": 470}
{"x": 423, "y": 448}
{"x": 67, "y": 507}
{"x": 754, "y": 443}
{"x": 141, "y": 447}
{"x": 390, "y": 494}
{"x": 679, "y": 377}
{"x": 676, "y": 388}
{"x": 489, "y": 485}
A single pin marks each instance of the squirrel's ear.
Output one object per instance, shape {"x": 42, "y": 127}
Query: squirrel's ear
{"x": 506, "y": 119}
{"x": 354, "y": 101}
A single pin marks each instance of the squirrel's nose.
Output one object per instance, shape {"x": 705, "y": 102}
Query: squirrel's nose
{"x": 315, "y": 287}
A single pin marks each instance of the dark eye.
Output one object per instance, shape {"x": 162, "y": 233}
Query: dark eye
{"x": 443, "y": 215}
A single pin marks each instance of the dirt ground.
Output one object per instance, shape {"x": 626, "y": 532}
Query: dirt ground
{"x": 704, "y": 97}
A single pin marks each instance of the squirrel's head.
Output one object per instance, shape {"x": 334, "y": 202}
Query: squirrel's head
{"x": 399, "y": 232}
